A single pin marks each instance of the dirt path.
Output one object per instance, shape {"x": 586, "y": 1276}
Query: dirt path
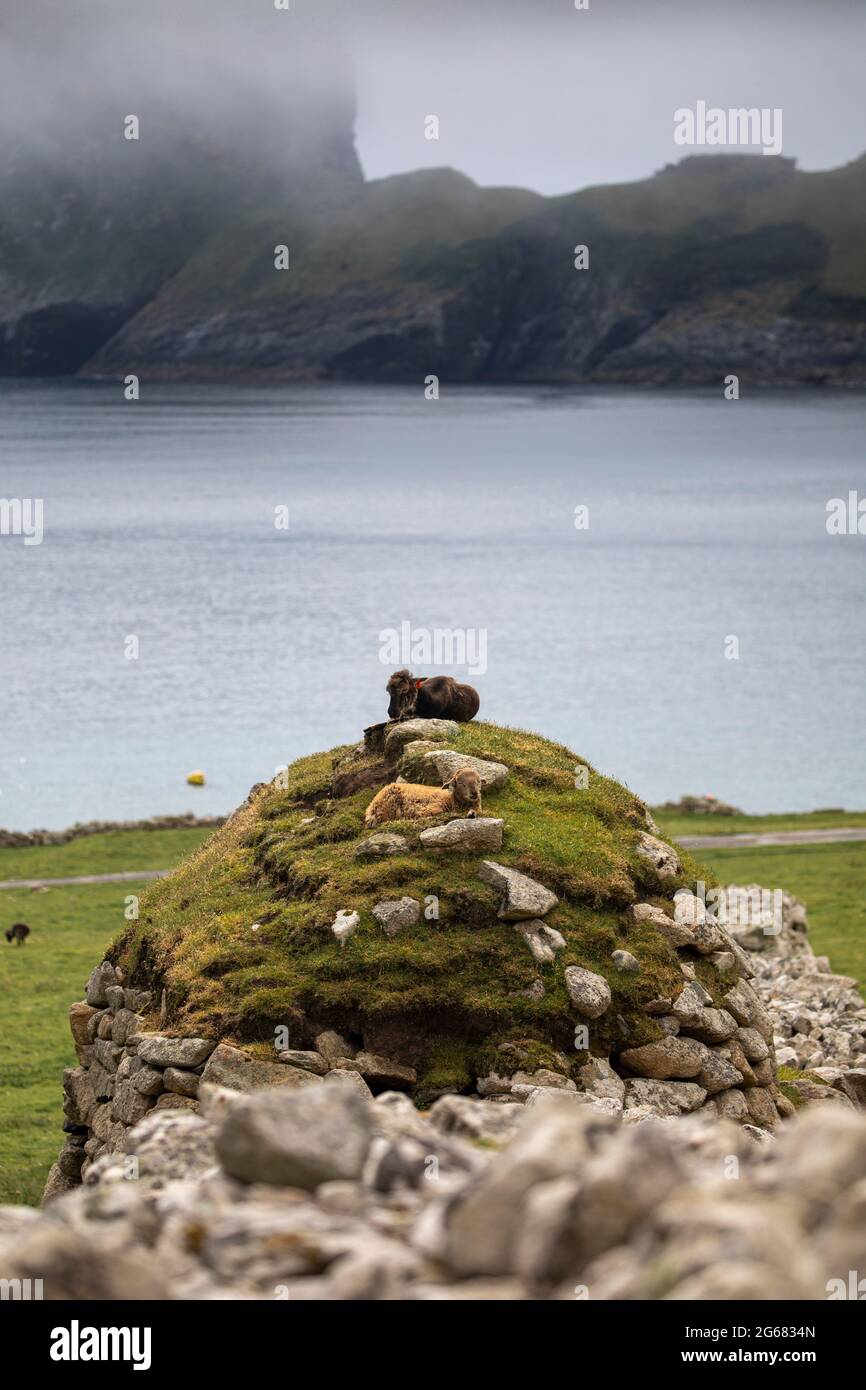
{"x": 136, "y": 876}
{"x": 774, "y": 837}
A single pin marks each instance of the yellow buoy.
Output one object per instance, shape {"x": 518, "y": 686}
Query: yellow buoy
{"x": 196, "y": 779}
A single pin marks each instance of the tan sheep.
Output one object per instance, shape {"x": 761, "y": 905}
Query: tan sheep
{"x": 414, "y": 801}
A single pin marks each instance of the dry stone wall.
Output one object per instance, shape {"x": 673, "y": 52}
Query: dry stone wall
{"x": 201, "y": 1172}
{"x": 709, "y": 1060}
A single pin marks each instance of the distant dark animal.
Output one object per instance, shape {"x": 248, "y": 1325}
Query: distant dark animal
{"x": 430, "y": 697}
{"x": 18, "y": 933}
{"x": 415, "y": 801}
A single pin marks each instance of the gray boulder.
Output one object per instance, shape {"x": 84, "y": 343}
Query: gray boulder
{"x": 522, "y": 898}
{"x": 475, "y": 1119}
{"x": 380, "y": 1073}
{"x": 381, "y": 846}
{"x": 691, "y": 1002}
{"x": 709, "y": 939}
{"x": 589, "y": 993}
{"x": 598, "y": 1078}
{"x": 160, "y": 1051}
{"x": 689, "y": 910}
{"x": 710, "y": 1025}
{"x": 677, "y": 933}
{"x": 181, "y": 1083}
{"x": 664, "y": 1097}
{"x": 79, "y": 1096}
{"x": 351, "y": 1080}
{"x": 124, "y": 1024}
{"x": 232, "y": 1068}
{"x": 148, "y": 1080}
{"x": 482, "y": 1225}
{"x": 114, "y": 995}
{"x": 171, "y": 1145}
{"x": 754, "y": 1046}
{"x": 398, "y": 735}
{"x": 731, "y": 1105}
{"x": 660, "y": 855}
{"x": 667, "y": 1059}
{"x": 444, "y": 762}
{"x": 333, "y": 1046}
{"x": 102, "y": 977}
{"x": 129, "y": 1105}
{"x": 296, "y": 1140}
{"x": 307, "y": 1061}
{"x": 107, "y": 1054}
{"x": 717, "y": 1072}
{"x": 478, "y": 833}
{"x": 394, "y": 916}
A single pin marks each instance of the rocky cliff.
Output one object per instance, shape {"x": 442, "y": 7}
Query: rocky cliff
{"x": 156, "y": 256}
{"x": 719, "y": 264}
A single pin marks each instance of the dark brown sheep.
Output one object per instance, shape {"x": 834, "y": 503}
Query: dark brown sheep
{"x": 18, "y": 933}
{"x": 430, "y": 697}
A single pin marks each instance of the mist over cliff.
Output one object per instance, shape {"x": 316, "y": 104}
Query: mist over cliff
{"x": 235, "y": 109}
{"x": 259, "y": 86}
{"x": 155, "y": 254}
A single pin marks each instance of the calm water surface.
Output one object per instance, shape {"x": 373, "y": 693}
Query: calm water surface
{"x": 256, "y": 645}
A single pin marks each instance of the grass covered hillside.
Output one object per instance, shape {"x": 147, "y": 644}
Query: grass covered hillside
{"x": 240, "y": 934}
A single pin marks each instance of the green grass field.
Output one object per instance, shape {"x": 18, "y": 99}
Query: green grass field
{"x": 829, "y": 879}
{"x": 118, "y": 851}
{"x": 71, "y": 927}
{"x": 677, "y": 824}
{"x": 38, "y": 981}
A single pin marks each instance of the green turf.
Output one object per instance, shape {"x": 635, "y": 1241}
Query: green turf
{"x": 70, "y": 929}
{"x": 829, "y": 879}
{"x": 241, "y": 937}
{"x": 116, "y": 851}
{"x": 677, "y": 824}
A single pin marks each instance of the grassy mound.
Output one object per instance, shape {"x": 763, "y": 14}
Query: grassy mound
{"x": 240, "y": 938}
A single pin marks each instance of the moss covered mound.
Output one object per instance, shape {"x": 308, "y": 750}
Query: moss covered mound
{"x": 240, "y": 935}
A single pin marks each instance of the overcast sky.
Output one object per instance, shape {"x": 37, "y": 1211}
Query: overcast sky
{"x": 527, "y": 92}
{"x": 536, "y": 93}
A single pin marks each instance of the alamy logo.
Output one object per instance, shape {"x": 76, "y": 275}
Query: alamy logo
{"x": 846, "y": 517}
{"x": 854, "y": 1288}
{"x": 77, "y": 1343}
{"x": 22, "y": 516}
{"x": 20, "y": 1290}
{"x": 738, "y": 126}
{"x": 438, "y": 646}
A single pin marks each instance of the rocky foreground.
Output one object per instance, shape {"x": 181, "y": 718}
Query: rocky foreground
{"x": 230, "y": 1188}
